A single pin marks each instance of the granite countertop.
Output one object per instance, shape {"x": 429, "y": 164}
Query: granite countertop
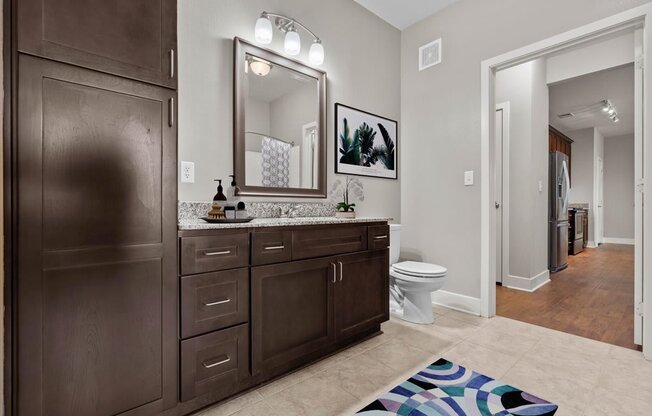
{"x": 199, "y": 224}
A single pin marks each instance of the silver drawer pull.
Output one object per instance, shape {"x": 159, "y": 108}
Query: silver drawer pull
{"x": 275, "y": 248}
{"x": 218, "y": 302}
{"x": 217, "y": 253}
{"x": 216, "y": 363}
{"x": 380, "y": 237}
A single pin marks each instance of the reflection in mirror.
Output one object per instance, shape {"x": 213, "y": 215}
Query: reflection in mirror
{"x": 279, "y": 132}
{"x": 281, "y": 113}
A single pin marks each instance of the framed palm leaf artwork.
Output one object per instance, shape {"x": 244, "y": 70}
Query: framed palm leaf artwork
{"x": 365, "y": 143}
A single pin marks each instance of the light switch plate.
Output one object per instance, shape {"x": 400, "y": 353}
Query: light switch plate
{"x": 468, "y": 178}
{"x": 187, "y": 172}
{"x": 540, "y": 186}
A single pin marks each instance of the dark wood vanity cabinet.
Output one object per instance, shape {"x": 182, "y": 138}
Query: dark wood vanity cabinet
{"x": 292, "y": 313}
{"x": 312, "y": 290}
{"x": 130, "y": 38}
{"x": 362, "y": 292}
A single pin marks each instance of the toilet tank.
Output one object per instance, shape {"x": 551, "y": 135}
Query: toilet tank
{"x": 394, "y": 243}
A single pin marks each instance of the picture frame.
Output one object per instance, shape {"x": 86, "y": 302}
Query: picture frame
{"x": 366, "y": 144}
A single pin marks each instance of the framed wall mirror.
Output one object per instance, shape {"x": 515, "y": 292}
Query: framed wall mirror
{"x": 279, "y": 125}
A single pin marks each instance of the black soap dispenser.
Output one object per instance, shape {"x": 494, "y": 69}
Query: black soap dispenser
{"x": 219, "y": 196}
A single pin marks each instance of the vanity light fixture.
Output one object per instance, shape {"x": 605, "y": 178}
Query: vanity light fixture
{"x": 263, "y": 33}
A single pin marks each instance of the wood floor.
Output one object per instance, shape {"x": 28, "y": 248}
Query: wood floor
{"x": 592, "y": 298}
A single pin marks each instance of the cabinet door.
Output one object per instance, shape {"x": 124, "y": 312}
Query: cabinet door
{"x": 131, "y": 38}
{"x": 97, "y": 290}
{"x": 291, "y": 312}
{"x": 362, "y": 292}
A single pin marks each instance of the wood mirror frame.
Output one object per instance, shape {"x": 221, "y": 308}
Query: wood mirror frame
{"x": 241, "y": 49}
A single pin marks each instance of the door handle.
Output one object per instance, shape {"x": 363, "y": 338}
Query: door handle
{"x": 171, "y": 111}
{"x": 216, "y": 363}
{"x": 172, "y": 63}
{"x": 341, "y": 267}
{"x": 497, "y": 204}
{"x": 334, "y": 272}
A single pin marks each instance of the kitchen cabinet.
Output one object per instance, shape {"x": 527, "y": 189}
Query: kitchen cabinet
{"x": 96, "y": 305}
{"x": 130, "y": 38}
{"x": 559, "y": 142}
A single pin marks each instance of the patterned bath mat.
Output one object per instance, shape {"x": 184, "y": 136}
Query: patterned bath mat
{"x": 444, "y": 389}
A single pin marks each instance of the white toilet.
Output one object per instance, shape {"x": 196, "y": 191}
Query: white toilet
{"x": 411, "y": 283}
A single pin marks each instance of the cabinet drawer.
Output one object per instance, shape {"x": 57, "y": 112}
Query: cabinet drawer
{"x": 320, "y": 242}
{"x": 378, "y": 237}
{"x": 214, "y": 362}
{"x": 213, "y": 301}
{"x": 212, "y": 253}
{"x": 271, "y": 247}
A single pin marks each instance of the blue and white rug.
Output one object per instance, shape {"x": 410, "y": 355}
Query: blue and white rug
{"x": 445, "y": 388}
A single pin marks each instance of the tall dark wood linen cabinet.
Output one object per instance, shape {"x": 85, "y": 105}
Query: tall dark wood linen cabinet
{"x": 93, "y": 299}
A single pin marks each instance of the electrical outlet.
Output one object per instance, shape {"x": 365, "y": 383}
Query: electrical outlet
{"x": 468, "y": 178}
{"x": 187, "y": 172}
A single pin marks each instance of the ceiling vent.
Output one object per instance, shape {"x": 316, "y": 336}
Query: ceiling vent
{"x": 430, "y": 54}
{"x": 566, "y": 115}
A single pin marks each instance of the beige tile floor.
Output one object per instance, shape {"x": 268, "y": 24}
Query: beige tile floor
{"x": 585, "y": 377}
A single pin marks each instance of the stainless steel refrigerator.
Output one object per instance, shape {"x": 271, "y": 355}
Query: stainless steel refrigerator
{"x": 558, "y": 211}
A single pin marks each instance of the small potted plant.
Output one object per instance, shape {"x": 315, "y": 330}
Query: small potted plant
{"x": 346, "y": 208}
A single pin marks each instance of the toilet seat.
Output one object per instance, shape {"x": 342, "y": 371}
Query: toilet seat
{"x": 418, "y": 270}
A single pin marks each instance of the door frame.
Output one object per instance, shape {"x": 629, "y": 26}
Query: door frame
{"x": 636, "y": 18}
{"x": 503, "y": 255}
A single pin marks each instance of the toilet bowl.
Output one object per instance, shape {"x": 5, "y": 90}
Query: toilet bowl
{"x": 411, "y": 284}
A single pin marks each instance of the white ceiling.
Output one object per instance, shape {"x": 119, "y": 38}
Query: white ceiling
{"x": 616, "y": 85}
{"x": 404, "y": 13}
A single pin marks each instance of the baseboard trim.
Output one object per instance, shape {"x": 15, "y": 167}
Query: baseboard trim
{"x": 457, "y": 302}
{"x": 591, "y": 244}
{"x": 617, "y": 240}
{"x": 527, "y": 284}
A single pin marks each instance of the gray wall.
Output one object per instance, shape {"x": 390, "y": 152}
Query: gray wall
{"x": 362, "y": 61}
{"x": 524, "y": 87}
{"x": 582, "y": 172}
{"x": 619, "y": 187}
{"x": 440, "y": 110}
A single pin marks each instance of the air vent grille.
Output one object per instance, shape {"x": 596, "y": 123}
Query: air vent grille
{"x": 430, "y": 54}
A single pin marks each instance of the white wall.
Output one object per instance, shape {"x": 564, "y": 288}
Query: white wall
{"x": 440, "y": 114}
{"x": 597, "y": 56}
{"x": 619, "y": 187}
{"x": 362, "y": 62}
{"x": 524, "y": 87}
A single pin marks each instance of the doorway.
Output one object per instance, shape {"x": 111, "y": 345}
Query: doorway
{"x": 633, "y": 19}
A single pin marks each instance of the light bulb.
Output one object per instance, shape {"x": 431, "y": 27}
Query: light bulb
{"x": 316, "y": 53}
{"x": 616, "y": 119}
{"x": 263, "y": 31}
{"x": 611, "y": 111}
{"x": 260, "y": 68}
{"x": 292, "y": 42}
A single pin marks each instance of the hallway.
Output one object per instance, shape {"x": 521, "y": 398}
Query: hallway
{"x": 592, "y": 298}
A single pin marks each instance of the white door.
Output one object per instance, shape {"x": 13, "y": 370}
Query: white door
{"x": 502, "y": 128}
{"x": 599, "y": 214}
{"x": 638, "y": 195}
